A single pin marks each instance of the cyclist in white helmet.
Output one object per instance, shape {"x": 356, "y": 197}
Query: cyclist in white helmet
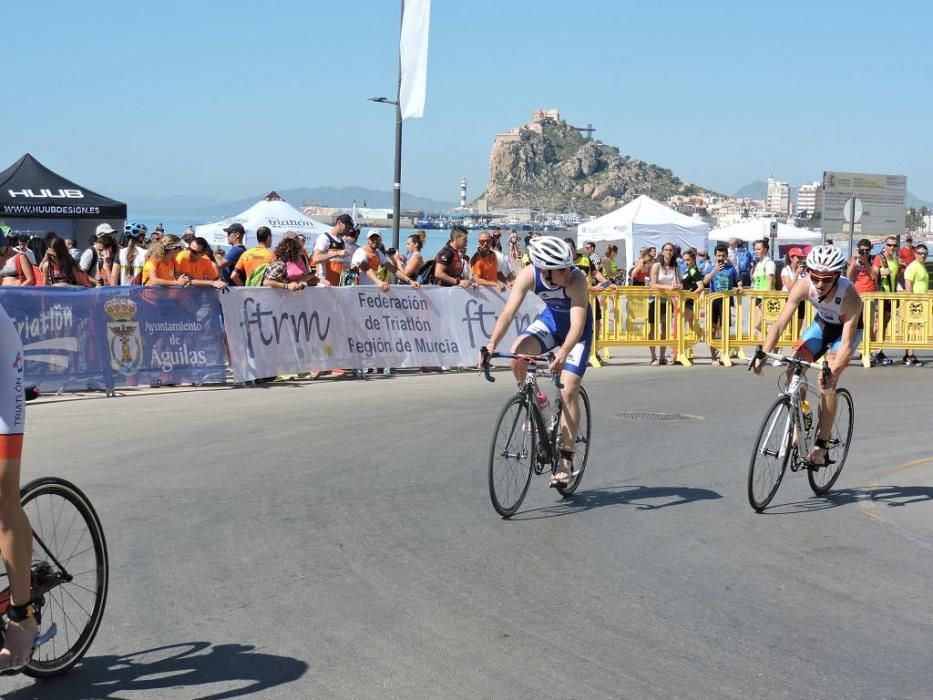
{"x": 836, "y": 330}
{"x": 564, "y": 326}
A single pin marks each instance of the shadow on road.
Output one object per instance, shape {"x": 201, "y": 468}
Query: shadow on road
{"x": 176, "y": 670}
{"x": 639, "y": 496}
{"x": 892, "y": 496}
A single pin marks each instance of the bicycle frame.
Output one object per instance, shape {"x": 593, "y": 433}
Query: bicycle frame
{"x": 549, "y": 438}
{"x": 792, "y": 391}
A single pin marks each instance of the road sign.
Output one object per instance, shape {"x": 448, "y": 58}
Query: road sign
{"x": 882, "y": 199}
{"x": 852, "y": 211}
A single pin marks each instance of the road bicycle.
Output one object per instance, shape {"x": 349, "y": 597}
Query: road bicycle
{"x": 70, "y": 572}
{"x": 786, "y": 432}
{"x": 526, "y": 441}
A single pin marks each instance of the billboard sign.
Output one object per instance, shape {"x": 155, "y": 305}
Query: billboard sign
{"x": 880, "y": 203}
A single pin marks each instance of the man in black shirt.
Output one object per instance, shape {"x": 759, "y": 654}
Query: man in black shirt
{"x": 450, "y": 268}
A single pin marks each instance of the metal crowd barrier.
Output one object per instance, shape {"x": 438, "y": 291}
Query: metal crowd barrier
{"x": 642, "y": 317}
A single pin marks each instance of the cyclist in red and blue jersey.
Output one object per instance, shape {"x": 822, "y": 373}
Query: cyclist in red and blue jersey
{"x": 564, "y": 326}
{"x": 15, "y": 530}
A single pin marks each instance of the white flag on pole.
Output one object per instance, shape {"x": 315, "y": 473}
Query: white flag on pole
{"x": 413, "y": 56}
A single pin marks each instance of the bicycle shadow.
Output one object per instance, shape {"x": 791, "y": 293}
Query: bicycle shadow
{"x": 177, "y": 669}
{"x": 633, "y": 495}
{"x": 891, "y": 495}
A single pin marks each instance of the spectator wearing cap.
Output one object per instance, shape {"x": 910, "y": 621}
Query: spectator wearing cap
{"x": 15, "y": 268}
{"x": 704, "y": 264}
{"x": 369, "y": 258}
{"x": 226, "y": 262}
{"x": 330, "y": 249}
{"x": 159, "y": 270}
{"x": 196, "y": 263}
{"x": 255, "y": 257}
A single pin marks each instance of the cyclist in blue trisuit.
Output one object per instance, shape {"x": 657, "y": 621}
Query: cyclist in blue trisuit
{"x": 15, "y": 530}
{"x": 837, "y": 329}
{"x": 565, "y": 326}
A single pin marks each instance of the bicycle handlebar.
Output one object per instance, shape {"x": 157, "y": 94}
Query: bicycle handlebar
{"x": 487, "y": 356}
{"x": 780, "y": 360}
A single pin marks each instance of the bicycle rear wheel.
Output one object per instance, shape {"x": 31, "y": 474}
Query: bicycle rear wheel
{"x": 70, "y": 572}
{"x": 822, "y": 479}
{"x": 769, "y": 458}
{"x": 511, "y": 456}
{"x": 582, "y": 447}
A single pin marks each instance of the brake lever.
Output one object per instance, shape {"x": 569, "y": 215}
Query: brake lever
{"x": 484, "y": 352}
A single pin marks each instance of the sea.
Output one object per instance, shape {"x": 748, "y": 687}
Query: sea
{"x": 435, "y": 240}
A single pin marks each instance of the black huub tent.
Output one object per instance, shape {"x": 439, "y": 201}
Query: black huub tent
{"x": 34, "y": 199}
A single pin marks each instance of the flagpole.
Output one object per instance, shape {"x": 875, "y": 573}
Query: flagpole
{"x": 397, "y": 186}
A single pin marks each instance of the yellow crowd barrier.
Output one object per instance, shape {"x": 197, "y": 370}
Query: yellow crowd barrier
{"x": 642, "y": 317}
{"x": 896, "y": 321}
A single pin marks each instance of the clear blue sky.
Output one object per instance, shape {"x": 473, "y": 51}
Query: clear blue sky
{"x": 232, "y": 99}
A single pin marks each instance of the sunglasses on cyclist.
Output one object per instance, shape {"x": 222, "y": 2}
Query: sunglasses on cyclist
{"x": 818, "y": 278}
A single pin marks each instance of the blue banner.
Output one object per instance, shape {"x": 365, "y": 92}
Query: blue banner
{"x": 80, "y": 339}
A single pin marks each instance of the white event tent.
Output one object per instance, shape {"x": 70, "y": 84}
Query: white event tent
{"x": 271, "y": 211}
{"x": 643, "y": 223}
{"x": 756, "y": 229}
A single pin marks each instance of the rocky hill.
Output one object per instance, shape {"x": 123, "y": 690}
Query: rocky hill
{"x": 548, "y": 165}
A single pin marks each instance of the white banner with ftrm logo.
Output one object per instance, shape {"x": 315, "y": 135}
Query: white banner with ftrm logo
{"x": 274, "y": 332}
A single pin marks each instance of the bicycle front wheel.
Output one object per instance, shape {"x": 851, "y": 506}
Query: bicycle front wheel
{"x": 822, "y": 479}
{"x": 582, "y": 447}
{"x": 772, "y": 450}
{"x": 70, "y": 572}
{"x": 511, "y": 456}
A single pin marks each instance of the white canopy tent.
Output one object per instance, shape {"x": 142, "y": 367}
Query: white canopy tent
{"x": 271, "y": 211}
{"x": 643, "y": 223}
{"x": 751, "y": 230}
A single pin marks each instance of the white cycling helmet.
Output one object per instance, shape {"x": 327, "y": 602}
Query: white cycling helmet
{"x": 825, "y": 258}
{"x": 549, "y": 253}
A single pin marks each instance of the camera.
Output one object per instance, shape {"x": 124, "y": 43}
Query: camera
{"x": 391, "y": 251}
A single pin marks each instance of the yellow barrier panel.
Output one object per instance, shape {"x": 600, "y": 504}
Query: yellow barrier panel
{"x": 642, "y": 317}
{"x": 746, "y": 319}
{"x": 896, "y": 320}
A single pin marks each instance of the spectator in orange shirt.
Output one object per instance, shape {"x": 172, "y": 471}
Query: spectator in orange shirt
{"x": 254, "y": 257}
{"x": 197, "y": 264}
{"x": 159, "y": 269}
{"x": 906, "y": 256}
{"x": 484, "y": 265}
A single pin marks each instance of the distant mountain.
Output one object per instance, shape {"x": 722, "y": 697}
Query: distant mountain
{"x": 753, "y": 190}
{"x": 192, "y": 205}
{"x": 915, "y": 201}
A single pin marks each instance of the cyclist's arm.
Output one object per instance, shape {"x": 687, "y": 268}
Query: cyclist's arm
{"x": 524, "y": 283}
{"x": 796, "y": 295}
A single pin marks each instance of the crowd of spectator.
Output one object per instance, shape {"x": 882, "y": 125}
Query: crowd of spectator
{"x": 336, "y": 258}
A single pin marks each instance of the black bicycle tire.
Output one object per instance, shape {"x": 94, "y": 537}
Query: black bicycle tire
{"x": 507, "y": 511}
{"x": 580, "y": 466}
{"x": 758, "y": 506}
{"x": 75, "y": 652}
{"x": 820, "y": 489}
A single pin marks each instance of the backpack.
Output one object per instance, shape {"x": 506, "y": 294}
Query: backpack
{"x": 257, "y": 276}
{"x": 425, "y": 274}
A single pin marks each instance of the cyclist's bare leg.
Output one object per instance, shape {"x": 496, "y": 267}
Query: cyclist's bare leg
{"x": 570, "y": 417}
{"x": 524, "y": 345}
{"x": 16, "y": 550}
{"x": 824, "y": 425}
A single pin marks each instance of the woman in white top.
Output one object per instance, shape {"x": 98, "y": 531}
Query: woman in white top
{"x": 665, "y": 275}
{"x": 129, "y": 267}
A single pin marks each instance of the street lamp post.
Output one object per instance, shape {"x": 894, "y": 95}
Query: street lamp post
{"x": 397, "y": 185}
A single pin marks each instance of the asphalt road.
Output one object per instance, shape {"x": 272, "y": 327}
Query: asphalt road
{"x": 336, "y": 540}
